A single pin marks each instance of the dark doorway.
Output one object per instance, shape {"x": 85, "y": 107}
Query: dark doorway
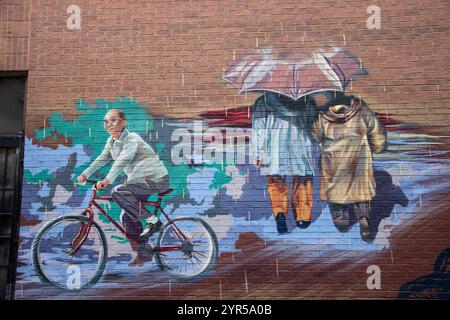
{"x": 12, "y": 93}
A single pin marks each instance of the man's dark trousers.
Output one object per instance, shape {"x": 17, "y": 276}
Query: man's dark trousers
{"x": 129, "y": 197}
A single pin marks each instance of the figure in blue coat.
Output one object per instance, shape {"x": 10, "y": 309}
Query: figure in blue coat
{"x": 283, "y": 147}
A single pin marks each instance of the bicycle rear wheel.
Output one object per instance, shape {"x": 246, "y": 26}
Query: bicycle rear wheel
{"x": 69, "y": 271}
{"x": 189, "y": 255}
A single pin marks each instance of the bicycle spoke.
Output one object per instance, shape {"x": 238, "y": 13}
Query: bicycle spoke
{"x": 198, "y": 260}
{"x": 198, "y": 252}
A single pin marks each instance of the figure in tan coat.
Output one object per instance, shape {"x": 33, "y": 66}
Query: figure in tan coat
{"x": 348, "y": 133}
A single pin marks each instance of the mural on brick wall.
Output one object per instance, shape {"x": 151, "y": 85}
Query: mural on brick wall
{"x": 308, "y": 164}
{"x": 287, "y": 130}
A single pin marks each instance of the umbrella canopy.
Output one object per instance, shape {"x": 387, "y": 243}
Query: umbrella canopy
{"x": 294, "y": 75}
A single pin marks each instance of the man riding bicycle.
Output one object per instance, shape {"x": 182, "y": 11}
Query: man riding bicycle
{"x": 146, "y": 175}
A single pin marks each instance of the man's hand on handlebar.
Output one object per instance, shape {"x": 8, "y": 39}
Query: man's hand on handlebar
{"x": 99, "y": 185}
{"x": 102, "y": 184}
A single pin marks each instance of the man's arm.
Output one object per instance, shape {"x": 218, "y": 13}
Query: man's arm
{"x": 99, "y": 162}
{"x": 125, "y": 157}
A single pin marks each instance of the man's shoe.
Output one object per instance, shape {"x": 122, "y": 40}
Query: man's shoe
{"x": 364, "y": 229}
{"x": 144, "y": 255}
{"x": 151, "y": 229}
{"x": 302, "y": 224}
{"x": 281, "y": 223}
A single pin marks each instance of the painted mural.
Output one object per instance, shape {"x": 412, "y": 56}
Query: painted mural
{"x": 117, "y": 192}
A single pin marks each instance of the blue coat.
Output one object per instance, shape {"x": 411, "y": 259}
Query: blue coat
{"x": 281, "y": 135}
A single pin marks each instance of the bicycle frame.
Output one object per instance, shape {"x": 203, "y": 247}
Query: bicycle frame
{"x": 85, "y": 228}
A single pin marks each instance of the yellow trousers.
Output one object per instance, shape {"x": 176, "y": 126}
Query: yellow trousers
{"x": 301, "y": 199}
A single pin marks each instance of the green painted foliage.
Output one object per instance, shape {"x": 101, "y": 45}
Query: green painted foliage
{"x": 87, "y": 130}
{"x": 37, "y": 178}
{"x": 220, "y": 178}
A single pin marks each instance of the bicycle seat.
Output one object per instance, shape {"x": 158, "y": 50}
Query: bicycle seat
{"x": 165, "y": 193}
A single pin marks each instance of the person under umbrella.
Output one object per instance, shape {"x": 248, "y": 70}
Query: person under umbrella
{"x": 348, "y": 133}
{"x": 282, "y": 117}
{"x": 282, "y": 148}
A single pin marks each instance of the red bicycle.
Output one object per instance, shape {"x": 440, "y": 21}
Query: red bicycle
{"x": 71, "y": 251}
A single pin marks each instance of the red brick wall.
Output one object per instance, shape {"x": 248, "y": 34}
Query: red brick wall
{"x": 143, "y": 49}
{"x": 169, "y": 55}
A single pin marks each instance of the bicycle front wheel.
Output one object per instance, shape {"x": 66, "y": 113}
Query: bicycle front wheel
{"x": 55, "y": 264}
{"x": 187, "y": 248}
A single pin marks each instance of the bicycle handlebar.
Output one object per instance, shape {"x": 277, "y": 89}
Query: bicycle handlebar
{"x": 93, "y": 182}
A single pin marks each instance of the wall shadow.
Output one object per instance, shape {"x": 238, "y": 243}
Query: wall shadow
{"x": 387, "y": 196}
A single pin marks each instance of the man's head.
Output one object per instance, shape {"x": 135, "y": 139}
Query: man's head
{"x": 114, "y": 122}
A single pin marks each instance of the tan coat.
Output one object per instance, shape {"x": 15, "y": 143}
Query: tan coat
{"x": 348, "y": 135}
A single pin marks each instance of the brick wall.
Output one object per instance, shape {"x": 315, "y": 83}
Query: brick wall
{"x": 163, "y": 59}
